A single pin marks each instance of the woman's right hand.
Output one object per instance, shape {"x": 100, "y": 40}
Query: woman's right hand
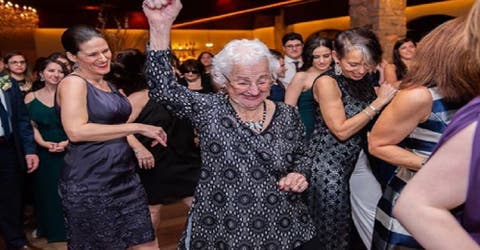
{"x": 156, "y": 133}
{"x": 385, "y": 93}
{"x": 161, "y": 12}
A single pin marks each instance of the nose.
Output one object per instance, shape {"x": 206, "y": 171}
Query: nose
{"x": 253, "y": 89}
{"x": 362, "y": 70}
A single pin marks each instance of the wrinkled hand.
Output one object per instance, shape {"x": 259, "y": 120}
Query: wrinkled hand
{"x": 293, "y": 182}
{"x": 161, "y": 12}
{"x": 386, "y": 92}
{"x": 32, "y": 162}
{"x": 156, "y": 133}
{"x": 145, "y": 158}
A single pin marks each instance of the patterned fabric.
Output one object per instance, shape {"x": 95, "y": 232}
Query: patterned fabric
{"x": 237, "y": 204}
{"x": 388, "y": 232}
{"x": 333, "y": 164}
{"x": 104, "y": 203}
{"x": 469, "y": 214}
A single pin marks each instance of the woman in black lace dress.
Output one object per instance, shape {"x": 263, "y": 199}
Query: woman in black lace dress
{"x": 347, "y": 103}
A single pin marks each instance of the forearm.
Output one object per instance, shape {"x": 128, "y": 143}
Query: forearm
{"x": 101, "y": 132}
{"x": 135, "y": 144}
{"x": 39, "y": 139}
{"x": 433, "y": 228}
{"x": 397, "y": 156}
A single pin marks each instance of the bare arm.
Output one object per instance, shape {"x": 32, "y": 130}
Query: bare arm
{"x": 328, "y": 95}
{"x": 72, "y": 97}
{"x": 409, "y": 108}
{"x": 294, "y": 89}
{"x": 425, "y": 203}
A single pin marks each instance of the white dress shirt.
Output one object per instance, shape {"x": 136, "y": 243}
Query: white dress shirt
{"x": 291, "y": 70}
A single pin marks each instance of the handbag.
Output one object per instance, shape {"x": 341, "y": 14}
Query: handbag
{"x": 388, "y": 233}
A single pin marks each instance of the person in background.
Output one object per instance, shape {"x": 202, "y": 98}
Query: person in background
{"x": 248, "y": 195}
{"x": 317, "y": 59}
{"x": 417, "y": 116}
{"x": 17, "y": 149}
{"x": 440, "y": 205}
{"x": 168, "y": 174}
{"x": 17, "y": 69}
{"x": 61, "y": 57}
{"x": 52, "y": 142}
{"x": 194, "y": 78}
{"x": 205, "y": 58}
{"x": 292, "y": 47}
{"x": 347, "y": 103}
{"x": 2, "y": 66}
{"x": 403, "y": 54}
{"x": 277, "y": 91}
{"x": 103, "y": 200}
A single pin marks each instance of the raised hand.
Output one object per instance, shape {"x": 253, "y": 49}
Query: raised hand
{"x": 161, "y": 12}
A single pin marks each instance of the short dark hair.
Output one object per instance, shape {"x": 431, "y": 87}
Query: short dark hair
{"x": 191, "y": 64}
{"x": 291, "y": 36}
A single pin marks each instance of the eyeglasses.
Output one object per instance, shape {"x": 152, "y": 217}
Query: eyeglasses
{"x": 294, "y": 46}
{"x": 191, "y": 71}
{"x": 17, "y": 62}
{"x": 262, "y": 82}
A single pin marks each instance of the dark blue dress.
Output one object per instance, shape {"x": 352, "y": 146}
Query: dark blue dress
{"x": 104, "y": 203}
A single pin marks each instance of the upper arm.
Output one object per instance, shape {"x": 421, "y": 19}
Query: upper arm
{"x": 72, "y": 98}
{"x": 138, "y": 100}
{"x": 329, "y": 97}
{"x": 294, "y": 89}
{"x": 407, "y": 109}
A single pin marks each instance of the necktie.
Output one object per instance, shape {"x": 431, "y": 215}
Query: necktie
{"x": 296, "y": 65}
{"x": 4, "y": 119}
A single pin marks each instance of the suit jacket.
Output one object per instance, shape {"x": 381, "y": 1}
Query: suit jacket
{"x": 22, "y": 130}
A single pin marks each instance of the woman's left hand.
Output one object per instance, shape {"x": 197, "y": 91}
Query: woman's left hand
{"x": 293, "y": 182}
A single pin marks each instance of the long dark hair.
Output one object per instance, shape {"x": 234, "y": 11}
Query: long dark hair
{"x": 127, "y": 71}
{"x": 311, "y": 44}
{"x": 400, "y": 67}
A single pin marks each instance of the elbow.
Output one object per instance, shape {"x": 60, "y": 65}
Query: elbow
{"x": 341, "y": 135}
{"x": 73, "y": 135}
{"x": 373, "y": 147}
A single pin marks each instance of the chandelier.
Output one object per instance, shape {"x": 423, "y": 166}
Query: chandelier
{"x": 14, "y": 17}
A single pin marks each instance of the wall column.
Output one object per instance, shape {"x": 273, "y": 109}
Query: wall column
{"x": 279, "y": 29}
{"x": 386, "y": 17}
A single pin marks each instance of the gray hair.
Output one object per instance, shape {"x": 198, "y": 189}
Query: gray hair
{"x": 241, "y": 52}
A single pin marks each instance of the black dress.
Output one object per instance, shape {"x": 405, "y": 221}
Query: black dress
{"x": 104, "y": 203}
{"x": 177, "y": 166}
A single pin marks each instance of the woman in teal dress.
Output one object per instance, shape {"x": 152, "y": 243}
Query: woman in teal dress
{"x": 317, "y": 58}
{"x": 51, "y": 139}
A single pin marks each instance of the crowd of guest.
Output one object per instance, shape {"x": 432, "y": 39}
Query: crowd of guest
{"x": 269, "y": 149}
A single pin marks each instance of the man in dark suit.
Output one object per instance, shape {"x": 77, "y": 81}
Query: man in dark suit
{"x": 17, "y": 148}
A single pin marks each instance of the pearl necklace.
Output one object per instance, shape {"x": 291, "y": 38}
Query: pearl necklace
{"x": 256, "y": 126}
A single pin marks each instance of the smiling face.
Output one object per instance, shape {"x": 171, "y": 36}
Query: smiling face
{"x": 293, "y": 48}
{"x": 353, "y": 64}
{"x": 322, "y": 58}
{"x": 94, "y": 57}
{"x": 53, "y": 73}
{"x": 249, "y": 85}
{"x": 206, "y": 59}
{"x": 407, "y": 50}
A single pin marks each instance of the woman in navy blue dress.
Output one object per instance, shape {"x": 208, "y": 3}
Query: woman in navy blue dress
{"x": 104, "y": 203}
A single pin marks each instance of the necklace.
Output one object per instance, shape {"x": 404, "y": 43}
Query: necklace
{"x": 256, "y": 126}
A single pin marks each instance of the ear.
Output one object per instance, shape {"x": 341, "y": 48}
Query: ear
{"x": 71, "y": 57}
{"x": 335, "y": 56}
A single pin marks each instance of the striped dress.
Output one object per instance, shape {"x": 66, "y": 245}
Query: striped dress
{"x": 388, "y": 233}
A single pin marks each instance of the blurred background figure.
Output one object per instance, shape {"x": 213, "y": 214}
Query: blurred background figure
{"x": 17, "y": 68}
{"x": 277, "y": 91}
{"x": 52, "y": 142}
{"x": 194, "y": 78}
{"x": 317, "y": 59}
{"x": 205, "y": 58}
{"x": 403, "y": 54}
{"x": 292, "y": 48}
{"x": 61, "y": 57}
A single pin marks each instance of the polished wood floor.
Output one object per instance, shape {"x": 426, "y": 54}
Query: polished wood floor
{"x": 170, "y": 230}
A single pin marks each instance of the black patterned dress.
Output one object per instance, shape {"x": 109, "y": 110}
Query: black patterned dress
{"x": 237, "y": 203}
{"x": 333, "y": 164}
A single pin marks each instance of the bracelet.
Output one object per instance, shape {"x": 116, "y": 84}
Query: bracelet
{"x": 373, "y": 109}
{"x": 368, "y": 114}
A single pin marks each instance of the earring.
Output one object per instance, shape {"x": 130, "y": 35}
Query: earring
{"x": 75, "y": 66}
{"x": 337, "y": 69}
{"x": 42, "y": 79}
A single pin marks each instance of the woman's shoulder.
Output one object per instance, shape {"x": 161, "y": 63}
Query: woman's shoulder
{"x": 29, "y": 97}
